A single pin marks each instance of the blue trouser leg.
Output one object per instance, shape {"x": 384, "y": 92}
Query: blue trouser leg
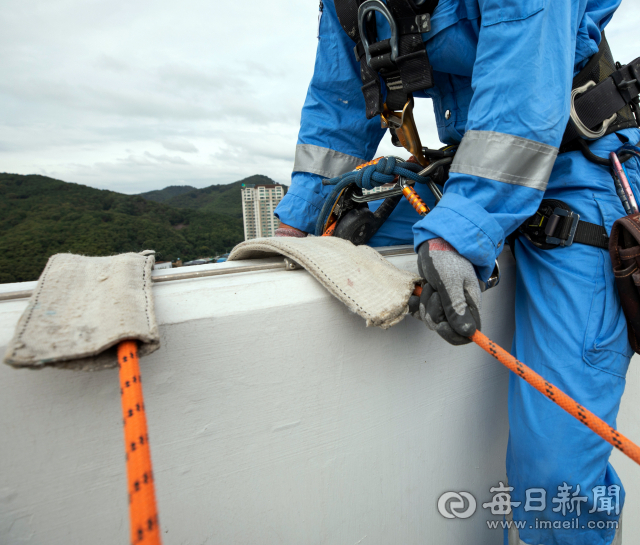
{"x": 571, "y": 330}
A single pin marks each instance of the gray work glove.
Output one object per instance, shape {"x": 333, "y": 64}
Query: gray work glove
{"x": 450, "y": 300}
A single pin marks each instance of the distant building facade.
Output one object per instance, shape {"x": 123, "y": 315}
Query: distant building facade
{"x": 258, "y": 203}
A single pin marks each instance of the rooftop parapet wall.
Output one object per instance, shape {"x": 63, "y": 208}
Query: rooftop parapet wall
{"x": 275, "y": 416}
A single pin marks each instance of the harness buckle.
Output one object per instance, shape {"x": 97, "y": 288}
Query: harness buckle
{"x": 582, "y": 130}
{"x": 554, "y": 221}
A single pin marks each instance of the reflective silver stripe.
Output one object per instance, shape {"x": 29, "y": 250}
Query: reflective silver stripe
{"x": 506, "y": 158}
{"x": 323, "y": 161}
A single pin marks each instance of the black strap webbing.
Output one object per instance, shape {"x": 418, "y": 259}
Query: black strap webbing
{"x": 410, "y": 72}
{"x": 615, "y": 90}
{"x": 586, "y": 233}
{"x": 548, "y": 229}
{"x": 347, "y": 11}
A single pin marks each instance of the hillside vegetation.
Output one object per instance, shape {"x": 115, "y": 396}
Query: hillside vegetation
{"x": 224, "y": 199}
{"x": 163, "y": 195}
{"x": 40, "y": 216}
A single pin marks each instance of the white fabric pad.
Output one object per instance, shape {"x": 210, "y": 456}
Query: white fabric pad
{"x": 358, "y": 276}
{"x": 82, "y": 308}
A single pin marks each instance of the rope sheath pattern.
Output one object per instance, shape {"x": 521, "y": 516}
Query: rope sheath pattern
{"x": 330, "y": 230}
{"x": 594, "y": 423}
{"x": 143, "y": 513}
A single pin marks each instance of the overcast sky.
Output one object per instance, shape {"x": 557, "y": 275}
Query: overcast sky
{"x": 138, "y": 95}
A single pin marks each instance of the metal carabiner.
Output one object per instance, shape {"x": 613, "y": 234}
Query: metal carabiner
{"x": 582, "y": 130}
{"x": 494, "y": 279}
{"x": 376, "y": 5}
{"x": 412, "y": 196}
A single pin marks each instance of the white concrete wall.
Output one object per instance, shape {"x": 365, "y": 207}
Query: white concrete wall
{"x": 275, "y": 417}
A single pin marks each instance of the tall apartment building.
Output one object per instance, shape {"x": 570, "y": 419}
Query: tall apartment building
{"x": 258, "y": 204}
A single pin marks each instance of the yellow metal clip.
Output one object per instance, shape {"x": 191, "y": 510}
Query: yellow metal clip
{"x": 405, "y": 128}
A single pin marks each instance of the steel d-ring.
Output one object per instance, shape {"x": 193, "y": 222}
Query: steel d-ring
{"x": 377, "y": 5}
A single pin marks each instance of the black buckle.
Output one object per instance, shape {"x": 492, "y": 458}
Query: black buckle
{"x": 626, "y": 81}
{"x": 553, "y": 223}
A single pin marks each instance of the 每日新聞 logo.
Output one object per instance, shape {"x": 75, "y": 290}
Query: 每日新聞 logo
{"x": 459, "y": 505}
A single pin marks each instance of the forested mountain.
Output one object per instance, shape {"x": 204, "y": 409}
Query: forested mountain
{"x": 224, "y": 199}
{"x": 163, "y": 195}
{"x": 40, "y": 216}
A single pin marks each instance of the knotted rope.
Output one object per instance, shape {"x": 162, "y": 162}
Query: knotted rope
{"x": 382, "y": 171}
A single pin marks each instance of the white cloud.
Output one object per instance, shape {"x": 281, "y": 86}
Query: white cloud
{"x": 179, "y": 145}
{"x": 92, "y": 91}
{"x": 175, "y": 160}
{"x": 134, "y": 96}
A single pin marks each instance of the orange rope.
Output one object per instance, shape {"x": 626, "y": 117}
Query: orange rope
{"x": 574, "y": 408}
{"x": 330, "y": 230}
{"x": 369, "y": 163}
{"x": 143, "y": 513}
{"x": 594, "y": 423}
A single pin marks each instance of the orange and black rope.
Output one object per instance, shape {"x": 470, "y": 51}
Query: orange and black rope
{"x": 143, "y": 513}
{"x": 574, "y": 408}
{"x": 369, "y": 163}
{"x": 593, "y": 422}
{"x": 330, "y": 230}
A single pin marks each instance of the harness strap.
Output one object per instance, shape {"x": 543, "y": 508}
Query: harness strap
{"x": 591, "y": 235}
{"x": 403, "y": 74}
{"x": 415, "y": 69}
{"x": 555, "y": 224}
{"x": 604, "y": 99}
{"x": 347, "y": 12}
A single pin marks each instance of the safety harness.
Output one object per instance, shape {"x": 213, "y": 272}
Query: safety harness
{"x": 555, "y": 224}
{"x": 604, "y": 99}
{"x": 401, "y": 62}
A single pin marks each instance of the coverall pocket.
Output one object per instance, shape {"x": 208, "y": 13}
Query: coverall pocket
{"x": 606, "y": 346}
{"x": 502, "y": 11}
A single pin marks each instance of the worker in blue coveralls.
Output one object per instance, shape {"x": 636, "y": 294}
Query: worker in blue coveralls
{"x": 502, "y": 84}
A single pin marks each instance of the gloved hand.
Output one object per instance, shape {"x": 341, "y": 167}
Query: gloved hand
{"x": 288, "y": 231}
{"x": 451, "y": 297}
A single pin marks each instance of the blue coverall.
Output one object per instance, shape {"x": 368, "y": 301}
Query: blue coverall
{"x": 503, "y": 72}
